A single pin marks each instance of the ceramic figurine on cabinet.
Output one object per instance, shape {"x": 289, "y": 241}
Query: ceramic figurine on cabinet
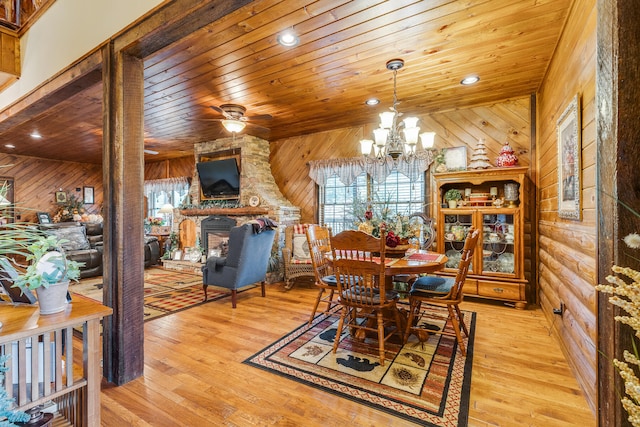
{"x": 506, "y": 158}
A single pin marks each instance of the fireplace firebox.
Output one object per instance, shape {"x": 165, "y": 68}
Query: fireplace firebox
{"x": 214, "y": 232}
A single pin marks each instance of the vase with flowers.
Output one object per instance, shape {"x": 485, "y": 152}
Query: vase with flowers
{"x": 624, "y": 287}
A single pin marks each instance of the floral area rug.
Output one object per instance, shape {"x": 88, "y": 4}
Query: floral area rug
{"x": 165, "y": 291}
{"x": 427, "y": 383}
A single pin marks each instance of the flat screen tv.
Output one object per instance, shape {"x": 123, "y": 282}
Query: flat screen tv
{"x": 219, "y": 179}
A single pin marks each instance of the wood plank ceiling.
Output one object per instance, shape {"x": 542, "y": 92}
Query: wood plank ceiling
{"x": 322, "y": 83}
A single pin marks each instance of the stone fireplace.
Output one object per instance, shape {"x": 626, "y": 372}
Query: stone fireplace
{"x": 256, "y": 180}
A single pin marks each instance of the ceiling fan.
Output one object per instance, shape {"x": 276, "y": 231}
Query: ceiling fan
{"x": 234, "y": 119}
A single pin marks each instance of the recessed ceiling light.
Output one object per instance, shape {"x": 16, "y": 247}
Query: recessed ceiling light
{"x": 372, "y": 101}
{"x": 288, "y": 38}
{"x": 9, "y": 146}
{"x": 35, "y": 135}
{"x": 469, "y": 80}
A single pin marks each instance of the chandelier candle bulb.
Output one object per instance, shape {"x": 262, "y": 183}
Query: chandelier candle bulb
{"x": 386, "y": 119}
{"x": 365, "y": 146}
{"x": 380, "y": 135}
{"x": 411, "y": 135}
{"x": 427, "y": 139}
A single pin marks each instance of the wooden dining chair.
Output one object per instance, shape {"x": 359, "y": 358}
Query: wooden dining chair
{"x": 359, "y": 266}
{"x": 423, "y": 224}
{"x": 443, "y": 292}
{"x": 319, "y": 240}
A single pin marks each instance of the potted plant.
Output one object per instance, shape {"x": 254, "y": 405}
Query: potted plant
{"x": 452, "y": 196}
{"x": 48, "y": 273}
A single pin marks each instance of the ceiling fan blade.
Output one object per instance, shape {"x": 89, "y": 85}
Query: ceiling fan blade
{"x": 261, "y": 117}
{"x": 213, "y": 107}
{"x": 205, "y": 120}
{"x": 253, "y": 125}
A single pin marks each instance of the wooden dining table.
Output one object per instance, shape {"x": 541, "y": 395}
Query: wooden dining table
{"x": 417, "y": 262}
{"x": 414, "y": 262}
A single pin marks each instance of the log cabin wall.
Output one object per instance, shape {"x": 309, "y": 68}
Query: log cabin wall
{"x": 567, "y": 248}
{"x": 36, "y": 181}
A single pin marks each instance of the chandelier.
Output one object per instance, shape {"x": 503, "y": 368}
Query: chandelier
{"x": 392, "y": 141}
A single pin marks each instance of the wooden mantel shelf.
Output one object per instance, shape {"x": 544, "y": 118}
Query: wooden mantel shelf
{"x": 225, "y": 211}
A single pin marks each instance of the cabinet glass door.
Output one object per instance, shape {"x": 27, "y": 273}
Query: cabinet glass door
{"x": 456, "y": 227}
{"x": 498, "y": 247}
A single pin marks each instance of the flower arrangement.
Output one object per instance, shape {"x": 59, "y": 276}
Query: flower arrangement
{"x": 71, "y": 210}
{"x": 154, "y": 220}
{"x": 398, "y": 227}
{"x": 627, "y": 297}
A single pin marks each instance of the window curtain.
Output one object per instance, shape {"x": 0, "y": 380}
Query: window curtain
{"x": 348, "y": 169}
{"x": 168, "y": 185}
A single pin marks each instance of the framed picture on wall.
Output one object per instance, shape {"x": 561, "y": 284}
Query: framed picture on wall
{"x": 61, "y": 197}
{"x": 569, "y": 161}
{"x": 88, "y": 195}
{"x": 456, "y": 159}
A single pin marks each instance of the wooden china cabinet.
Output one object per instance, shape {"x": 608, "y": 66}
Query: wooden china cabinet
{"x": 498, "y": 267}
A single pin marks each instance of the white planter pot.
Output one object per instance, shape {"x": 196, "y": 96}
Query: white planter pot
{"x": 54, "y": 298}
{"x": 453, "y": 204}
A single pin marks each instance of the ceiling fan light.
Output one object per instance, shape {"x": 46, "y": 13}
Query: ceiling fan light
{"x": 233, "y": 126}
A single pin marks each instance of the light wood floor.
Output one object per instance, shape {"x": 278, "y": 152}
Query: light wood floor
{"x": 194, "y": 374}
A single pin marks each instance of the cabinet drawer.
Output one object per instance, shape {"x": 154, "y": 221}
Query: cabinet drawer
{"x": 470, "y": 287}
{"x": 509, "y": 291}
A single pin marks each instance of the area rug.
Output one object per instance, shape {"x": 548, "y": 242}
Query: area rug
{"x": 165, "y": 291}
{"x": 426, "y": 383}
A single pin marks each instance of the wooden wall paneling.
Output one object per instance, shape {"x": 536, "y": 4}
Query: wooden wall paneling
{"x": 569, "y": 280}
{"x": 37, "y": 180}
{"x": 171, "y": 168}
{"x": 458, "y": 127}
{"x": 182, "y": 166}
{"x": 155, "y": 170}
{"x": 289, "y": 158}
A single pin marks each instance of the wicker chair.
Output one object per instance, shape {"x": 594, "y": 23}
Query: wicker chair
{"x": 295, "y": 265}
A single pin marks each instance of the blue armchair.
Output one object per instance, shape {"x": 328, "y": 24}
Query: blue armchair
{"x": 245, "y": 263}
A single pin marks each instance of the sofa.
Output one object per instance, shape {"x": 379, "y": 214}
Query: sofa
{"x": 84, "y": 244}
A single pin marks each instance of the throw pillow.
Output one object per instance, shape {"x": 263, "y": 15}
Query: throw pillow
{"x": 76, "y": 237}
{"x": 301, "y": 247}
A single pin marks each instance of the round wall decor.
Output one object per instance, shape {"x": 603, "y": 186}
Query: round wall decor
{"x": 254, "y": 201}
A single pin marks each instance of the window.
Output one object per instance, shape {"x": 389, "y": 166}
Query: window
{"x": 398, "y": 192}
{"x": 162, "y": 191}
